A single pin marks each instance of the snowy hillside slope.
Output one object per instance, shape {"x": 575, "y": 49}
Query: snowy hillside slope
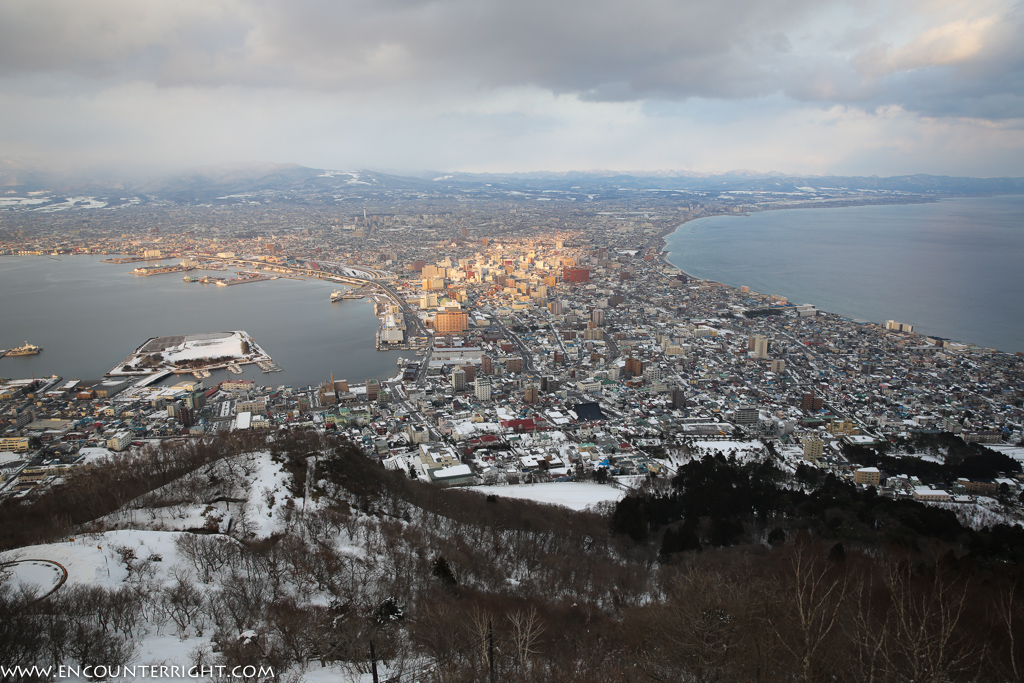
{"x": 292, "y": 552}
{"x": 227, "y": 565}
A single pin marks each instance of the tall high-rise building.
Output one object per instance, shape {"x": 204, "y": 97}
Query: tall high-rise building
{"x": 745, "y": 415}
{"x": 183, "y": 414}
{"x": 576, "y": 274}
{"x": 810, "y": 402}
{"x": 459, "y": 379}
{"x": 195, "y": 400}
{"x": 634, "y": 367}
{"x": 482, "y": 389}
{"x": 678, "y": 397}
{"x": 486, "y": 365}
{"x": 514, "y": 364}
{"x": 372, "y": 389}
{"x": 898, "y": 327}
{"x": 813, "y": 447}
{"x": 531, "y": 394}
{"x": 433, "y": 283}
{"x": 758, "y": 345}
{"x": 652, "y": 373}
{"x": 451, "y": 322}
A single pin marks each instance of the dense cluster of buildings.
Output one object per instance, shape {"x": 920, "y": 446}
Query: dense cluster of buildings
{"x": 551, "y": 342}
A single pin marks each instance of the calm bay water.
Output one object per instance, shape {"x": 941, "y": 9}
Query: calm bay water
{"x": 88, "y": 315}
{"x": 954, "y": 268}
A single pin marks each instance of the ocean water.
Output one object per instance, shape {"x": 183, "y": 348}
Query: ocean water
{"x": 89, "y": 315}
{"x": 953, "y": 268}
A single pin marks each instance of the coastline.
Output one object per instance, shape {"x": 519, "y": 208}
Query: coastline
{"x": 660, "y": 240}
{"x": 664, "y": 256}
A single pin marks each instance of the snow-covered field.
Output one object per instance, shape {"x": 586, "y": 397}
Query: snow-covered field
{"x": 93, "y": 559}
{"x": 215, "y": 345}
{"x": 36, "y": 576}
{"x": 1015, "y": 452}
{"x": 574, "y": 495}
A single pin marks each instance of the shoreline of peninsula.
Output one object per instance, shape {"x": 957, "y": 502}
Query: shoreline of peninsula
{"x": 665, "y": 256}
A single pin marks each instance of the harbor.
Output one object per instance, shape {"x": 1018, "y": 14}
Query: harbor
{"x": 287, "y": 318}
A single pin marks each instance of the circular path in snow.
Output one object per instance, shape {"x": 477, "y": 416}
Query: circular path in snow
{"x": 42, "y": 577}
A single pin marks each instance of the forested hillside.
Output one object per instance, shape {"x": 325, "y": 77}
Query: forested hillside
{"x": 297, "y": 552}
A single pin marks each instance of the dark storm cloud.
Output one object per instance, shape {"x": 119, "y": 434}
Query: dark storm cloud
{"x": 599, "y": 50}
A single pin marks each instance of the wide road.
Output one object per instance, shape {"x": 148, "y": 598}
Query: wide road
{"x": 529, "y": 365}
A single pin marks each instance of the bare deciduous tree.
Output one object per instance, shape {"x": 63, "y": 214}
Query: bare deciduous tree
{"x": 926, "y": 644}
{"x": 811, "y": 595}
{"x": 526, "y": 630}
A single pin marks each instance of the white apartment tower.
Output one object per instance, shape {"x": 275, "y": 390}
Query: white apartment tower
{"x": 482, "y": 389}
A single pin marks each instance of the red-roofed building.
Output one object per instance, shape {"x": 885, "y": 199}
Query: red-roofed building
{"x": 520, "y": 425}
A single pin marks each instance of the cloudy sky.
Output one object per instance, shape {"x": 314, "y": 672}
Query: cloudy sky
{"x": 798, "y": 86}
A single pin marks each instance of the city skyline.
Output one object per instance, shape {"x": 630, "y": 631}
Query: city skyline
{"x": 800, "y": 88}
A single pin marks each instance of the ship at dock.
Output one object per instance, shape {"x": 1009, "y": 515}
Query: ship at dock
{"x": 337, "y": 295}
{"x": 25, "y": 349}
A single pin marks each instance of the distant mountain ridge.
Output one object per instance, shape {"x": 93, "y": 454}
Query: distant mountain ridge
{"x": 215, "y": 182}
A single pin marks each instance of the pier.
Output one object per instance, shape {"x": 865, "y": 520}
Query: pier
{"x": 136, "y": 259}
{"x": 243, "y": 280}
{"x": 360, "y": 293}
{"x": 268, "y": 366}
{"x": 225, "y": 282}
{"x": 146, "y": 271}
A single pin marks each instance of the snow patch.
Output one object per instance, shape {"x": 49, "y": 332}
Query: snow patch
{"x": 570, "y": 494}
